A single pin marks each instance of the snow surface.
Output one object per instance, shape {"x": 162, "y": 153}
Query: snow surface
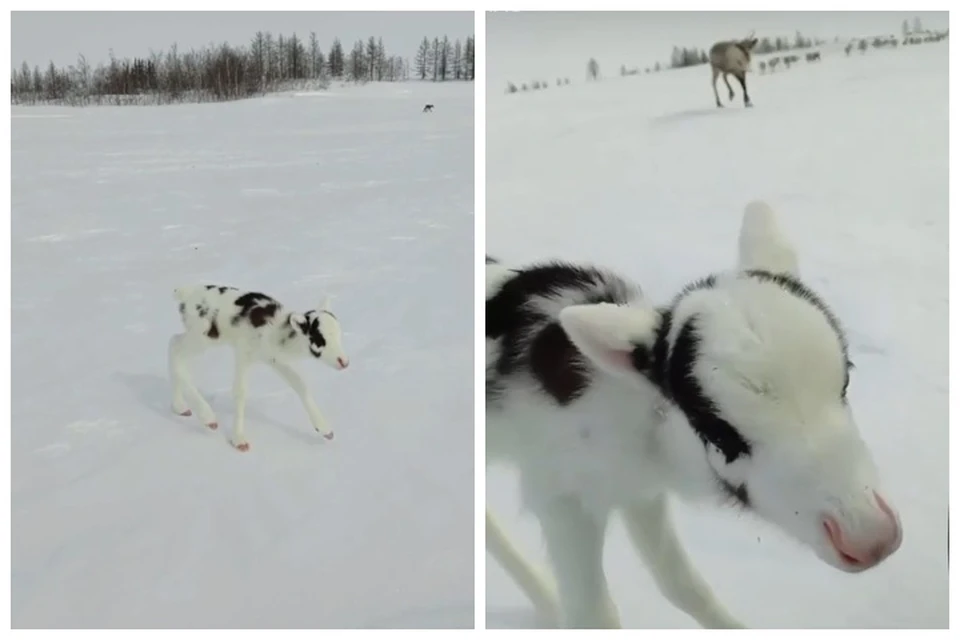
{"x": 126, "y": 515}
{"x": 645, "y": 175}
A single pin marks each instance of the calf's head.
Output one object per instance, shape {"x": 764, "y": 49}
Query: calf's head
{"x": 322, "y": 331}
{"x": 758, "y": 367}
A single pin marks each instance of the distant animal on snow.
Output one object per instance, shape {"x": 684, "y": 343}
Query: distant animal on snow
{"x": 763, "y": 67}
{"x": 732, "y": 57}
{"x": 258, "y": 329}
{"x": 427, "y": 108}
{"x": 813, "y": 57}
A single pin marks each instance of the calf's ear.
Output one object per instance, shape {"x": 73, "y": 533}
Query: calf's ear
{"x": 615, "y": 338}
{"x": 762, "y": 244}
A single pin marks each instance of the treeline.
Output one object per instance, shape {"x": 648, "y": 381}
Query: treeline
{"x": 687, "y": 57}
{"x": 684, "y": 57}
{"x": 766, "y": 45}
{"x": 444, "y": 60}
{"x": 218, "y": 73}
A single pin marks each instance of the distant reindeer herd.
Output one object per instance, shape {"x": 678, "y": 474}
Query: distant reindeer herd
{"x": 733, "y": 58}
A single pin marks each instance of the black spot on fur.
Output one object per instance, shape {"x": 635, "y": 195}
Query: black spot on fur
{"x": 214, "y": 331}
{"x": 509, "y": 316}
{"x": 642, "y": 358}
{"x": 657, "y": 369}
{"x": 311, "y": 328}
{"x": 738, "y": 493}
{"x": 555, "y": 363}
{"x": 703, "y": 283}
{"x": 202, "y": 310}
{"x": 291, "y": 330}
{"x": 183, "y": 308}
{"x": 219, "y": 288}
{"x": 678, "y": 382}
{"x": 257, "y": 308}
{"x": 506, "y": 311}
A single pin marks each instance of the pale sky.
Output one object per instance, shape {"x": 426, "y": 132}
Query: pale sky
{"x": 527, "y": 46}
{"x": 41, "y": 36}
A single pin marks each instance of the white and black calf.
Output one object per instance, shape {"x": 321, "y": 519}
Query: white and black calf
{"x": 733, "y": 392}
{"x": 258, "y": 329}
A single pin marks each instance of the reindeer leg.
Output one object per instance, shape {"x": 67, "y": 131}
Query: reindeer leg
{"x": 241, "y": 373}
{"x": 537, "y": 587}
{"x": 653, "y": 535}
{"x": 292, "y": 378}
{"x": 743, "y": 83}
{"x": 184, "y": 346}
{"x": 574, "y": 539}
{"x": 716, "y": 72}
{"x": 726, "y": 81}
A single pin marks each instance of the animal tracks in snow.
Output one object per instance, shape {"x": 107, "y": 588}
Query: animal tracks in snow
{"x": 76, "y": 430}
{"x": 85, "y": 427}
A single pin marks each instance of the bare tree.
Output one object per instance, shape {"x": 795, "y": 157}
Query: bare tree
{"x": 456, "y": 61}
{"x": 358, "y": 65}
{"x": 423, "y": 54}
{"x": 372, "y": 58}
{"x": 258, "y": 57}
{"x": 445, "y": 55}
{"x": 381, "y": 59}
{"x": 316, "y": 58}
{"x": 436, "y": 58}
{"x": 336, "y": 60}
{"x": 296, "y": 56}
{"x": 281, "y": 57}
{"x": 469, "y": 58}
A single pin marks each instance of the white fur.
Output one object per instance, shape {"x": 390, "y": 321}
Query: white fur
{"x": 775, "y": 368}
{"x": 277, "y": 343}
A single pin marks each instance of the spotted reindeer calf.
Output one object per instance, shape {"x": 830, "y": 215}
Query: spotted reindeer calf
{"x": 258, "y": 329}
{"x": 733, "y": 392}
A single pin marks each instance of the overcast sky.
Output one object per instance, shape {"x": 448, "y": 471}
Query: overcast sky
{"x": 522, "y": 47}
{"x": 41, "y": 36}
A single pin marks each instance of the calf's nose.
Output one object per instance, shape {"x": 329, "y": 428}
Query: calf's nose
{"x": 869, "y": 548}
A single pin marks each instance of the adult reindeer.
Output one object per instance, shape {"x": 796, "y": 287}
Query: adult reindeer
{"x": 732, "y": 57}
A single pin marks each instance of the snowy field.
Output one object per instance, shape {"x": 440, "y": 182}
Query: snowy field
{"x": 645, "y": 175}
{"x": 126, "y": 515}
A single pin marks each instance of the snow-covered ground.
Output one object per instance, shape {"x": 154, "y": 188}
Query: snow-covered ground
{"x": 645, "y": 175}
{"x": 126, "y": 515}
